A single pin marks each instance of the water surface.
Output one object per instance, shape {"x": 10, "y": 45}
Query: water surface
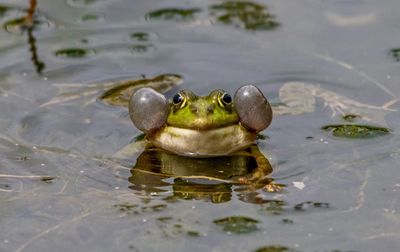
{"x": 60, "y": 189}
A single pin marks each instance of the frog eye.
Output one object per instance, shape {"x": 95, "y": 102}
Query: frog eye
{"x": 226, "y": 98}
{"x": 179, "y": 99}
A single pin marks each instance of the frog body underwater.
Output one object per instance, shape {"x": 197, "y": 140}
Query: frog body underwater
{"x": 195, "y": 126}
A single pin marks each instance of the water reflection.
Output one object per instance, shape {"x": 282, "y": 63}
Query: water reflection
{"x": 28, "y": 24}
{"x": 37, "y": 63}
{"x": 209, "y": 179}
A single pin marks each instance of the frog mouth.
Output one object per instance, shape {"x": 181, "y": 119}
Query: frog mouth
{"x": 203, "y": 124}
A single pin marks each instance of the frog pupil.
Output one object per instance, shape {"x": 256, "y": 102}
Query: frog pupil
{"x": 177, "y": 99}
{"x": 227, "y": 98}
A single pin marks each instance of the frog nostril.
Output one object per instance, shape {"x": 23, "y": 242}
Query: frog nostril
{"x": 193, "y": 109}
{"x": 210, "y": 109}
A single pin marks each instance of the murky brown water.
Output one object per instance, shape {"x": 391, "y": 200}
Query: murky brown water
{"x": 62, "y": 189}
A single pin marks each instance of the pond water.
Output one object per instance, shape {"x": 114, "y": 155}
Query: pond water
{"x": 62, "y": 189}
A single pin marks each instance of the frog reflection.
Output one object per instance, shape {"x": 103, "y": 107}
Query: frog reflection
{"x": 210, "y": 179}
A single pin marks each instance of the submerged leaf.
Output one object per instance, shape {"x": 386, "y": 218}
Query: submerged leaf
{"x": 116, "y": 93}
{"x": 238, "y": 224}
{"x": 89, "y": 17}
{"x": 3, "y": 10}
{"x": 176, "y": 14}
{"x": 71, "y": 52}
{"x": 300, "y": 97}
{"x": 140, "y": 36}
{"x": 275, "y": 248}
{"x": 119, "y": 95}
{"x": 395, "y": 53}
{"x": 355, "y": 130}
{"x": 244, "y": 14}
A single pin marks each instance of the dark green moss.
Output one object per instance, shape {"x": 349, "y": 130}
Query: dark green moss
{"x": 20, "y": 23}
{"x": 193, "y": 233}
{"x": 3, "y": 10}
{"x": 17, "y": 22}
{"x": 355, "y": 130}
{"x": 89, "y": 17}
{"x": 238, "y": 224}
{"x": 395, "y": 53}
{"x": 140, "y": 48}
{"x": 275, "y": 207}
{"x": 275, "y": 248}
{"x": 176, "y": 14}
{"x": 119, "y": 94}
{"x": 140, "y": 36}
{"x": 287, "y": 221}
{"x": 71, "y": 53}
{"x": 309, "y": 204}
{"x": 126, "y": 207}
{"x": 155, "y": 208}
{"x": 47, "y": 179}
{"x": 165, "y": 218}
{"x": 179, "y": 226}
{"x": 244, "y": 14}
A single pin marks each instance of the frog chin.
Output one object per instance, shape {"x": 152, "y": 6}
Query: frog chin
{"x": 203, "y": 143}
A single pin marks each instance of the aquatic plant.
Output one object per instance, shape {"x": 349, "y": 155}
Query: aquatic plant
{"x": 238, "y": 224}
{"x": 244, "y": 14}
{"x": 176, "y": 14}
{"x": 355, "y": 130}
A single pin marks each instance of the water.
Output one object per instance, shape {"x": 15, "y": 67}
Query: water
{"x": 66, "y": 193}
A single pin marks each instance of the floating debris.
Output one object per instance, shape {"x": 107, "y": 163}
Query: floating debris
{"x": 355, "y": 130}
{"x": 350, "y": 21}
{"x": 116, "y": 93}
{"x": 309, "y": 204}
{"x": 193, "y": 233}
{"x": 175, "y": 14}
{"x": 395, "y": 53}
{"x": 140, "y": 36}
{"x": 275, "y": 248}
{"x": 89, "y": 17}
{"x": 72, "y": 53}
{"x": 287, "y": 221}
{"x": 120, "y": 94}
{"x": 3, "y": 10}
{"x": 128, "y": 208}
{"x": 350, "y": 117}
{"x": 244, "y": 14}
{"x": 300, "y": 97}
{"x": 299, "y": 185}
{"x": 238, "y": 224}
{"x": 140, "y": 48}
{"x": 274, "y": 207}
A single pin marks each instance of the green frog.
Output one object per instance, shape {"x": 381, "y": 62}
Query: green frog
{"x": 210, "y": 137}
{"x": 201, "y": 126}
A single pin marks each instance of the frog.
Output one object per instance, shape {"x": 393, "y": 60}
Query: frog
{"x": 201, "y": 126}
{"x": 190, "y": 135}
